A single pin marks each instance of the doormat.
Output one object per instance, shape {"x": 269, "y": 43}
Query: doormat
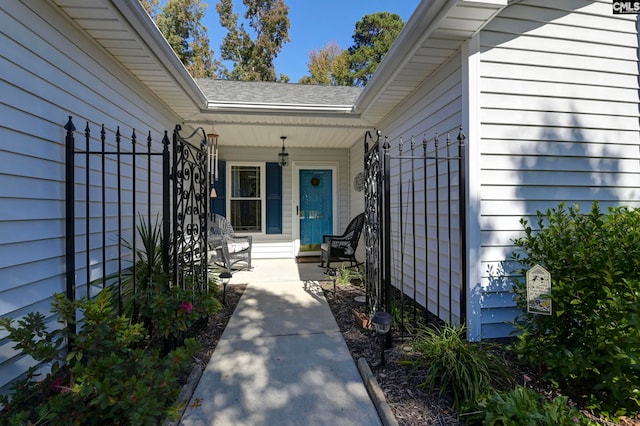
{"x": 307, "y": 259}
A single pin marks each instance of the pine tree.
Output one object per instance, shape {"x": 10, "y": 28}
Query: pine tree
{"x": 373, "y": 38}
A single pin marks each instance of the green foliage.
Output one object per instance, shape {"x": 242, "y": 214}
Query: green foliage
{"x": 373, "y": 37}
{"x": 166, "y": 310}
{"x": 110, "y": 377}
{"x": 524, "y": 407}
{"x": 404, "y": 318}
{"x": 329, "y": 66}
{"x": 253, "y": 58}
{"x": 591, "y": 342}
{"x": 455, "y": 366}
{"x": 180, "y": 21}
{"x": 346, "y": 275}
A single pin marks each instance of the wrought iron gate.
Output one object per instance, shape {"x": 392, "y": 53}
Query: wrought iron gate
{"x": 415, "y": 226}
{"x": 190, "y": 195}
{"x": 110, "y": 208}
{"x": 373, "y": 192}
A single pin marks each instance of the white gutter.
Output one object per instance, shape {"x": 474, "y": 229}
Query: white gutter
{"x": 239, "y": 107}
{"x": 141, "y": 23}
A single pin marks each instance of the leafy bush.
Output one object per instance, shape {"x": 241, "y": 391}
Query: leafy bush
{"x": 452, "y": 364}
{"x": 166, "y": 310}
{"x": 522, "y": 406}
{"x": 109, "y": 376}
{"x": 591, "y": 342}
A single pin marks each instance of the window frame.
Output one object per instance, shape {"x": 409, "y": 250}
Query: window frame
{"x": 262, "y": 167}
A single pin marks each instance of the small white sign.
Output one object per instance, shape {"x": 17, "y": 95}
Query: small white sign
{"x": 538, "y": 291}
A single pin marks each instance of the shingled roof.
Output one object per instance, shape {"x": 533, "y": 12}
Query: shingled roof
{"x": 270, "y": 93}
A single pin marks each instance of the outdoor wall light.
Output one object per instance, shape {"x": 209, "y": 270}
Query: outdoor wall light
{"x": 382, "y": 323}
{"x": 225, "y": 277}
{"x": 283, "y": 157}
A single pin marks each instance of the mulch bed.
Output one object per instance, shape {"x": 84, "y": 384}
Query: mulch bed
{"x": 410, "y": 403}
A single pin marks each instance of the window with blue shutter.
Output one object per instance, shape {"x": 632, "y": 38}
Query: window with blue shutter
{"x": 273, "y": 202}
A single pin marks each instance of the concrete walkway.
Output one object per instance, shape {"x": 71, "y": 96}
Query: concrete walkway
{"x": 282, "y": 359}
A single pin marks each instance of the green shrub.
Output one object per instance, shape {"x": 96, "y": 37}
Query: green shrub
{"x": 449, "y": 362}
{"x": 110, "y": 377}
{"x": 524, "y": 407}
{"x": 591, "y": 342}
{"x": 166, "y": 310}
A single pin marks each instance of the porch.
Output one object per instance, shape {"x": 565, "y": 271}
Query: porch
{"x": 267, "y": 271}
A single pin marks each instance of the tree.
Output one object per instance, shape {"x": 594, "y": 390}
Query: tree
{"x": 253, "y": 58}
{"x": 373, "y": 37}
{"x": 329, "y": 65}
{"x": 180, "y": 23}
{"x": 151, "y": 6}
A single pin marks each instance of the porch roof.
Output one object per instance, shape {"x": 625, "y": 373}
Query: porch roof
{"x": 251, "y": 114}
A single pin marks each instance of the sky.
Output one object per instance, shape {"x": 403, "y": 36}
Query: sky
{"x": 314, "y": 23}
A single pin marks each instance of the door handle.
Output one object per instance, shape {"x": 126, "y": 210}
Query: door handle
{"x": 297, "y": 211}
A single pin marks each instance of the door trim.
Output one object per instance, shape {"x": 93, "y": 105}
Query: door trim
{"x": 296, "y": 166}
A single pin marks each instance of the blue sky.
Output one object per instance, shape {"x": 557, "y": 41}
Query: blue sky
{"x": 314, "y": 23}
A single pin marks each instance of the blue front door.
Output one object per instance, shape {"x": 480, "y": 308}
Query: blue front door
{"x": 316, "y": 207}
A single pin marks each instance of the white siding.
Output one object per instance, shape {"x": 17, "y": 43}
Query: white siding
{"x": 282, "y": 246}
{"x": 420, "y": 265}
{"x": 356, "y": 166}
{"x": 51, "y": 71}
{"x": 558, "y": 122}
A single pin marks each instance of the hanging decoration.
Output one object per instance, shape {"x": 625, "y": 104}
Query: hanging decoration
{"x": 212, "y": 148}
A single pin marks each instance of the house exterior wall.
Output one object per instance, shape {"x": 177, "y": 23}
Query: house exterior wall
{"x": 282, "y": 245}
{"x": 557, "y": 89}
{"x": 356, "y": 205}
{"x": 52, "y": 71}
{"x": 434, "y": 108}
{"x": 547, "y": 95}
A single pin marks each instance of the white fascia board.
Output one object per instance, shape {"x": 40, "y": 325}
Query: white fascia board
{"x": 149, "y": 33}
{"x": 424, "y": 21}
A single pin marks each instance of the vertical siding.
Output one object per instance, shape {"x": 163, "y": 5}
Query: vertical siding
{"x": 281, "y": 245}
{"x": 420, "y": 265}
{"x": 559, "y": 122}
{"x": 51, "y": 71}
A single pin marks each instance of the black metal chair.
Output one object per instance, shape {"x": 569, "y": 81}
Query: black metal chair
{"x": 342, "y": 248}
{"x": 228, "y": 250}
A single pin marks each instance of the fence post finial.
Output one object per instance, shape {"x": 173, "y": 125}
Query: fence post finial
{"x": 461, "y": 136}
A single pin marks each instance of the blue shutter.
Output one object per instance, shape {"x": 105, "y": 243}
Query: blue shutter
{"x": 274, "y": 198}
{"x": 219, "y": 204}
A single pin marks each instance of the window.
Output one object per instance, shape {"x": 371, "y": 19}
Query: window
{"x": 246, "y": 203}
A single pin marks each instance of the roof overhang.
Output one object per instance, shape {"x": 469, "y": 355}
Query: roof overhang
{"x": 127, "y": 33}
{"x": 433, "y": 34}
